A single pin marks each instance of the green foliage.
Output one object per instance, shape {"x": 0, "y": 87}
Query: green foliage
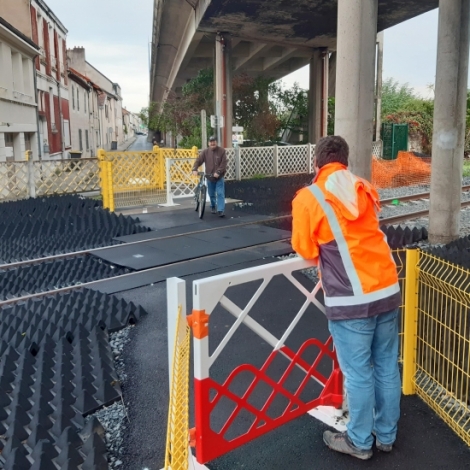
{"x": 291, "y": 107}
{"x": 395, "y": 96}
{"x": 331, "y": 116}
{"x": 258, "y": 176}
{"x": 253, "y": 108}
{"x": 401, "y": 105}
{"x": 200, "y": 91}
{"x": 466, "y": 168}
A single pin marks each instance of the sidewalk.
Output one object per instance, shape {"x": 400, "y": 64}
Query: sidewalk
{"x": 123, "y": 147}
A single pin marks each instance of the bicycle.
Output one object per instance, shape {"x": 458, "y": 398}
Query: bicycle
{"x": 200, "y": 193}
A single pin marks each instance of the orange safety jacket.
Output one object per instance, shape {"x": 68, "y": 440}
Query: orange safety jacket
{"x": 335, "y": 222}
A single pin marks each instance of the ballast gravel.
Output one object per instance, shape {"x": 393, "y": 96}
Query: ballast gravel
{"x": 114, "y": 418}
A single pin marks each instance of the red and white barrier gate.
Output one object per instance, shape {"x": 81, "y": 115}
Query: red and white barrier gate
{"x": 228, "y": 416}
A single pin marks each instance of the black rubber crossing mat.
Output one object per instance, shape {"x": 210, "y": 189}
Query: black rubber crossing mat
{"x": 240, "y": 237}
{"x": 170, "y": 250}
{"x": 153, "y": 276}
{"x": 210, "y": 221}
{"x": 137, "y": 257}
{"x": 253, "y": 255}
{"x": 281, "y": 248}
{"x": 187, "y": 247}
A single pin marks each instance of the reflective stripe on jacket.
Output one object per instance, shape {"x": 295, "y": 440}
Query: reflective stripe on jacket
{"x": 335, "y": 222}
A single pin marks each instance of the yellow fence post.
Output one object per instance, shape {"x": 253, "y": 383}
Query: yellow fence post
{"x": 103, "y": 178}
{"x": 410, "y": 341}
{"x": 162, "y": 168}
{"x": 195, "y": 152}
{"x": 110, "y": 186}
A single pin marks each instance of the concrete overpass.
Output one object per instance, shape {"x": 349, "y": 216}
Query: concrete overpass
{"x": 272, "y": 38}
{"x": 269, "y": 38}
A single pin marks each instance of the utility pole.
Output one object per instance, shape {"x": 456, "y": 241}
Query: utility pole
{"x": 203, "y": 129}
{"x": 378, "y": 87}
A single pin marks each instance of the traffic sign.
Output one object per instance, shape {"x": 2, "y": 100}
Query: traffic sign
{"x": 217, "y": 121}
{"x": 237, "y": 129}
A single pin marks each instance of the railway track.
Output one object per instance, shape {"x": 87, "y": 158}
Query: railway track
{"x": 384, "y": 202}
{"x": 386, "y": 221}
{"x": 128, "y": 275}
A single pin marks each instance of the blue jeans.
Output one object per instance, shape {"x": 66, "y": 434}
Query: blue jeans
{"x": 367, "y": 350}
{"x": 216, "y": 191}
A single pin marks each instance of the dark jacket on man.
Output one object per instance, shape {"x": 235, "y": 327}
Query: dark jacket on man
{"x": 215, "y": 160}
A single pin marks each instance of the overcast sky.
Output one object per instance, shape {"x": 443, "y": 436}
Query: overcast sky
{"x": 116, "y": 33}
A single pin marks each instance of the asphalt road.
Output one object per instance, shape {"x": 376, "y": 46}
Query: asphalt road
{"x": 424, "y": 440}
{"x": 141, "y": 144}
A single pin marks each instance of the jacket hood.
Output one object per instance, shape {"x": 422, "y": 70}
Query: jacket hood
{"x": 349, "y": 194}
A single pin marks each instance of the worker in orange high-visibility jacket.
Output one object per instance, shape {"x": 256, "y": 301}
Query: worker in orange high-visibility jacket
{"x": 335, "y": 223}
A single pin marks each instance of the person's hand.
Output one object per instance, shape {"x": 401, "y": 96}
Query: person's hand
{"x": 194, "y": 173}
{"x": 216, "y": 175}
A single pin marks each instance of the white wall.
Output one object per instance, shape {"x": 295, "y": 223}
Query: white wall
{"x": 17, "y": 97}
{"x": 80, "y": 125}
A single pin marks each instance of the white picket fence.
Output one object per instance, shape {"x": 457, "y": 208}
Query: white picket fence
{"x": 23, "y": 179}
{"x": 245, "y": 163}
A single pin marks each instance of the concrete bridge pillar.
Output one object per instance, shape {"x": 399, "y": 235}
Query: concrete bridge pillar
{"x": 223, "y": 88}
{"x": 318, "y": 96}
{"x": 449, "y": 120}
{"x": 355, "y": 80}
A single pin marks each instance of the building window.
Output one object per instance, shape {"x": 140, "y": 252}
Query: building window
{"x": 8, "y": 139}
{"x": 86, "y": 140}
{"x": 80, "y": 143}
{"x": 78, "y": 99}
{"x": 84, "y": 100}
{"x": 106, "y": 111}
{"x": 27, "y": 141}
{"x": 52, "y": 110}
{"x": 73, "y": 97}
{"x": 67, "y": 133}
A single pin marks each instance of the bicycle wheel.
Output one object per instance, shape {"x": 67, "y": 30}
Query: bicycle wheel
{"x": 197, "y": 194}
{"x": 202, "y": 201}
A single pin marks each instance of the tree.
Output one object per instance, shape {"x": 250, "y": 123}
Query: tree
{"x": 264, "y": 108}
{"x": 396, "y": 96}
{"x": 291, "y": 106}
{"x": 401, "y": 105}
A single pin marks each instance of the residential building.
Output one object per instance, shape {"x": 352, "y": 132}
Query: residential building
{"x": 126, "y": 123}
{"x": 109, "y": 100}
{"x": 18, "y": 109}
{"x": 132, "y": 124}
{"x": 81, "y": 113}
{"x": 136, "y": 122}
{"x": 16, "y": 12}
{"x": 52, "y": 81}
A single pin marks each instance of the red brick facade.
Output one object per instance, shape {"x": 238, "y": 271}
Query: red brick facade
{"x": 34, "y": 25}
{"x": 52, "y": 75}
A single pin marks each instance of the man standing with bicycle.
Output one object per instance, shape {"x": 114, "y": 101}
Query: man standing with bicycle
{"x": 215, "y": 160}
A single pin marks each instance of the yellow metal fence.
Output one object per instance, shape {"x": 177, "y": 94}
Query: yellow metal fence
{"x": 130, "y": 179}
{"x": 177, "y": 438}
{"x": 437, "y": 338}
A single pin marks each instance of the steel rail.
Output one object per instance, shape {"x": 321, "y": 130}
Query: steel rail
{"x": 389, "y": 220}
{"x": 127, "y": 275}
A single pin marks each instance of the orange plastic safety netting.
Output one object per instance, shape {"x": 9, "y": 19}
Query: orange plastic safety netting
{"x": 406, "y": 170}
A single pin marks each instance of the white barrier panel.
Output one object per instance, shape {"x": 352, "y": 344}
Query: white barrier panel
{"x": 309, "y": 356}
